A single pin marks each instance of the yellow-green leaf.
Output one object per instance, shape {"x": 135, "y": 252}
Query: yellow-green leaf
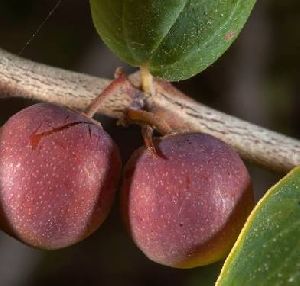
{"x": 267, "y": 251}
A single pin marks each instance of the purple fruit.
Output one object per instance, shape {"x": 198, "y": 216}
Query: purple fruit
{"x": 58, "y": 175}
{"x": 186, "y": 206}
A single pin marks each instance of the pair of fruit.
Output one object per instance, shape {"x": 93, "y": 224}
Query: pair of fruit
{"x": 59, "y": 170}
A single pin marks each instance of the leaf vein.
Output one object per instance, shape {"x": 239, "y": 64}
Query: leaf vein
{"x": 157, "y": 46}
{"x": 210, "y": 39}
{"x": 125, "y": 33}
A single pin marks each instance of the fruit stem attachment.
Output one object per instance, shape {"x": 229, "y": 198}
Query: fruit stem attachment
{"x": 142, "y": 118}
{"x": 148, "y": 122}
{"x": 120, "y": 77}
{"x": 147, "y": 81}
{"x": 147, "y": 134}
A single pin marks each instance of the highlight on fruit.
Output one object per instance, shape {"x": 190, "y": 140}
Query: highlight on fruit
{"x": 185, "y": 206}
{"x": 58, "y": 175}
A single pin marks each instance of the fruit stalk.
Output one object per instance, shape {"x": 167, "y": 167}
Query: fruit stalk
{"x": 142, "y": 118}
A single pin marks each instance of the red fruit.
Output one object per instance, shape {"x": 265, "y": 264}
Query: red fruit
{"x": 186, "y": 207}
{"x": 58, "y": 174}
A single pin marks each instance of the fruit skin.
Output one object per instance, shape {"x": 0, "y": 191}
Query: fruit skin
{"x": 186, "y": 207}
{"x": 175, "y": 39}
{"x": 58, "y": 174}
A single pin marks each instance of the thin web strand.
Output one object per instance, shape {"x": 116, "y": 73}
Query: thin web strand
{"x": 40, "y": 27}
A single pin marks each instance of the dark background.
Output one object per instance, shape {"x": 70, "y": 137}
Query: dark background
{"x": 257, "y": 80}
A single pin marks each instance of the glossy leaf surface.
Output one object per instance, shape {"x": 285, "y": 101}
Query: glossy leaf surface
{"x": 268, "y": 249}
{"x": 176, "y": 39}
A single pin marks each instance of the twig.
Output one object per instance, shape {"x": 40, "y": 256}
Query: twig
{"x": 19, "y": 77}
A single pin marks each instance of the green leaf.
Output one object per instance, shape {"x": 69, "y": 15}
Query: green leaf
{"x": 175, "y": 39}
{"x": 267, "y": 251}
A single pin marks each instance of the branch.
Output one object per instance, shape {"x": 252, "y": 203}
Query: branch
{"x": 20, "y": 77}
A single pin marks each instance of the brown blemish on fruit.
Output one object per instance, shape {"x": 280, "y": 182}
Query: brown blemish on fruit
{"x": 36, "y": 138}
